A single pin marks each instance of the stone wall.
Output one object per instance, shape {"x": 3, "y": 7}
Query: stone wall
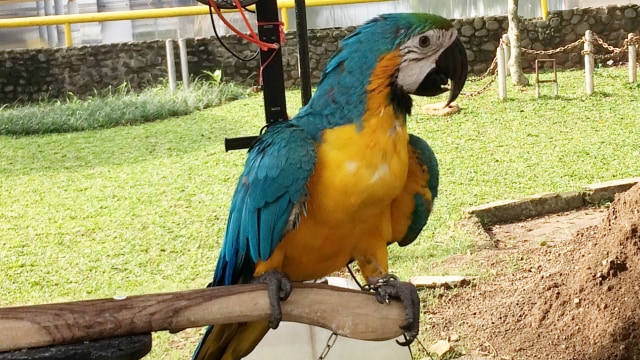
{"x": 481, "y": 36}
{"x": 30, "y": 74}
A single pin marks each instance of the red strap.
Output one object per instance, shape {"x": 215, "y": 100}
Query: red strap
{"x": 254, "y": 37}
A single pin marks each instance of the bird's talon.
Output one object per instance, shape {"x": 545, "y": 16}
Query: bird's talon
{"x": 390, "y": 286}
{"x": 279, "y": 289}
{"x": 407, "y": 340}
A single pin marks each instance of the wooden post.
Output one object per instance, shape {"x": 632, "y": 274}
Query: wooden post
{"x": 507, "y": 49}
{"x": 171, "y": 65}
{"x": 633, "y": 56}
{"x": 588, "y": 61}
{"x": 502, "y": 73}
{"x": 184, "y": 63}
{"x": 349, "y": 313}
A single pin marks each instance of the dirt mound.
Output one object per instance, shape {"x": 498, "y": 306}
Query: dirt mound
{"x": 574, "y": 299}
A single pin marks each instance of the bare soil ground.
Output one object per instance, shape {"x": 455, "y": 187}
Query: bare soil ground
{"x": 563, "y": 287}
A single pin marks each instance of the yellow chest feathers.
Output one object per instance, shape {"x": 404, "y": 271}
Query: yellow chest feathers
{"x": 355, "y": 170}
{"x": 361, "y": 167}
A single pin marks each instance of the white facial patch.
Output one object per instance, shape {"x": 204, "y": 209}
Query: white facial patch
{"x": 418, "y": 59}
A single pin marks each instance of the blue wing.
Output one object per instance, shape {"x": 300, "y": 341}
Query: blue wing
{"x": 428, "y": 178}
{"x": 273, "y": 182}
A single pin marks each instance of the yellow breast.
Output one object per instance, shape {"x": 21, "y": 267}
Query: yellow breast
{"x": 359, "y": 171}
{"x": 359, "y": 167}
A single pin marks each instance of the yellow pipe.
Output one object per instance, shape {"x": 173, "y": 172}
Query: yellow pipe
{"x": 289, "y": 4}
{"x": 67, "y": 34}
{"x": 310, "y": 3}
{"x": 147, "y": 14}
{"x": 67, "y": 20}
{"x": 544, "y": 6}
{"x": 284, "y": 17}
{"x": 104, "y": 16}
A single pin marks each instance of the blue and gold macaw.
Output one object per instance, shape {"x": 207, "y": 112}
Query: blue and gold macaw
{"x": 342, "y": 179}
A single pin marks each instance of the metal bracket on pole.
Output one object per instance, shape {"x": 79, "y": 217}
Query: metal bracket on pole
{"x": 275, "y": 105}
{"x": 271, "y": 60}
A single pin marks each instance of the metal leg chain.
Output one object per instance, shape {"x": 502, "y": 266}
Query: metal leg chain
{"x": 354, "y": 277}
{"x": 330, "y": 342}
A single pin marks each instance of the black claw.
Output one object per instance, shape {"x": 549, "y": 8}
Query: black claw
{"x": 279, "y": 289}
{"x": 389, "y": 287}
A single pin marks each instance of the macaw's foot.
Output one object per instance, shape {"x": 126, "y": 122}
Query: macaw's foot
{"x": 390, "y": 286}
{"x": 279, "y": 288}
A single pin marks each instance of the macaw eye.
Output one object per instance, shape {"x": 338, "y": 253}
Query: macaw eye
{"x": 424, "y": 41}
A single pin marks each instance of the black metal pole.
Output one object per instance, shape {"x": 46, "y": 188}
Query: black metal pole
{"x": 303, "y": 50}
{"x": 271, "y": 60}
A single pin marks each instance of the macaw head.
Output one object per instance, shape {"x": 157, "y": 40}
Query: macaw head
{"x": 426, "y": 49}
{"x": 431, "y": 54}
{"x": 402, "y": 53}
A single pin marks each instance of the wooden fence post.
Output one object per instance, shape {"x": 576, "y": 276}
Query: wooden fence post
{"x": 171, "y": 65}
{"x": 588, "y": 61}
{"x": 507, "y": 50}
{"x": 633, "y": 56}
{"x": 184, "y": 63}
{"x": 502, "y": 73}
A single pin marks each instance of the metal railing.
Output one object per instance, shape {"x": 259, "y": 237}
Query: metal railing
{"x": 67, "y": 20}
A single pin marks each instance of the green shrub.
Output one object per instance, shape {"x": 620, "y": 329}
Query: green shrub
{"x": 114, "y": 107}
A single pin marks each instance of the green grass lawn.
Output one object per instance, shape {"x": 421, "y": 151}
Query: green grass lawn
{"x": 142, "y": 209}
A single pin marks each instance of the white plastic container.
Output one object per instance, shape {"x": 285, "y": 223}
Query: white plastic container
{"x": 294, "y": 341}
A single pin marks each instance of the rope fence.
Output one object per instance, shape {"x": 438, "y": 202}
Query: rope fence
{"x": 498, "y": 68}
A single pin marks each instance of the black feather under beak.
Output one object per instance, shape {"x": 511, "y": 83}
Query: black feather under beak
{"x": 451, "y": 65}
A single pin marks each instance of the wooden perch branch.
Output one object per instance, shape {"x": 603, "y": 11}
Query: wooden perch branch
{"x": 349, "y": 313}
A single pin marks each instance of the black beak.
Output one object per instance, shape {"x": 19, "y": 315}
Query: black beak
{"x": 451, "y": 65}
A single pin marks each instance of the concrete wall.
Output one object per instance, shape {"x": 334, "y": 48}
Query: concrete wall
{"x": 30, "y": 74}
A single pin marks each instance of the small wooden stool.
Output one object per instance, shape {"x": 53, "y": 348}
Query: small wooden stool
{"x": 554, "y": 80}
